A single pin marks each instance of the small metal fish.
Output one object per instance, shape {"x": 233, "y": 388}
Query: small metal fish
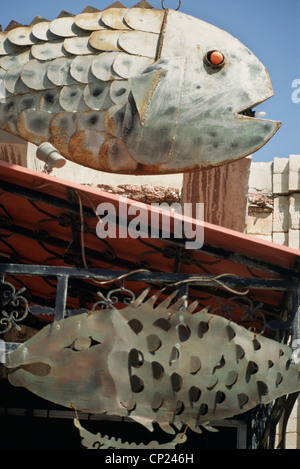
{"x": 156, "y": 361}
{"x": 134, "y": 91}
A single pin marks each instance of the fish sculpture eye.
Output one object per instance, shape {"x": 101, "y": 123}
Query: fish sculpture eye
{"x": 215, "y": 58}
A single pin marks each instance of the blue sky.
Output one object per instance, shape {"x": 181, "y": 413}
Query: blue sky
{"x": 270, "y": 28}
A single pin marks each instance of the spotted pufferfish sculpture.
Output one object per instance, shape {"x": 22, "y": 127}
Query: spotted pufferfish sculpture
{"x": 134, "y": 91}
{"x": 155, "y": 361}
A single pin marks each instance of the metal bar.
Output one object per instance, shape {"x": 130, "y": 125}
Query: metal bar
{"x": 63, "y": 244}
{"x": 44, "y": 198}
{"x": 61, "y": 297}
{"x": 149, "y": 276}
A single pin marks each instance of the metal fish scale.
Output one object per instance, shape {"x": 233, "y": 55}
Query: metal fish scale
{"x": 156, "y": 361}
{"x": 180, "y": 111}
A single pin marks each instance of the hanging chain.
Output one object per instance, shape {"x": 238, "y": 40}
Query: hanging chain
{"x": 163, "y": 5}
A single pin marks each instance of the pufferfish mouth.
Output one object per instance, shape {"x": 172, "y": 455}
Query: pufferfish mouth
{"x": 249, "y": 112}
{"x": 39, "y": 369}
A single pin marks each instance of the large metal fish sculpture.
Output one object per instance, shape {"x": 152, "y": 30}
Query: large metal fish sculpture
{"x": 134, "y": 91}
{"x": 155, "y": 361}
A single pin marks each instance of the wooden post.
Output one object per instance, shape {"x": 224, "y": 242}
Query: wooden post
{"x": 223, "y": 190}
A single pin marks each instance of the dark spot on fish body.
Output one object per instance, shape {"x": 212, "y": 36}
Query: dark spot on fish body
{"x": 179, "y": 409}
{"x": 73, "y": 94}
{"x": 120, "y": 91}
{"x": 49, "y": 98}
{"x": 212, "y": 133}
{"x": 163, "y": 324}
{"x": 220, "y": 365}
{"x": 267, "y": 127}
{"x": 240, "y": 352}
{"x": 8, "y": 106}
{"x": 130, "y": 113}
{"x": 220, "y": 397}
{"x": 97, "y": 92}
{"x": 203, "y": 328}
{"x": 203, "y": 409}
{"x": 230, "y": 332}
{"x": 94, "y": 119}
{"x": 38, "y": 124}
{"x": 27, "y": 103}
{"x": 157, "y": 370}
{"x": 170, "y": 111}
{"x": 184, "y": 333}
{"x": 135, "y": 358}
{"x": 256, "y": 344}
{"x": 176, "y": 382}
{"x": 279, "y": 379}
{"x": 231, "y": 379}
{"x": 195, "y": 365}
{"x": 131, "y": 405}
{"x": 153, "y": 343}
{"x": 135, "y": 325}
{"x": 136, "y": 383}
{"x": 242, "y": 400}
{"x": 174, "y": 356}
{"x": 194, "y": 394}
{"x": 252, "y": 369}
{"x": 262, "y": 388}
{"x": 257, "y": 140}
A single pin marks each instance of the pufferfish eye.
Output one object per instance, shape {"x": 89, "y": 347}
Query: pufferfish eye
{"x": 215, "y": 58}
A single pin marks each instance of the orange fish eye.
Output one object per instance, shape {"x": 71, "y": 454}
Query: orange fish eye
{"x": 215, "y": 58}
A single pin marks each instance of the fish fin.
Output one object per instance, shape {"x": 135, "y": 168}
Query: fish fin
{"x": 142, "y": 89}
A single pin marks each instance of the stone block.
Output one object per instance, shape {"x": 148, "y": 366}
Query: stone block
{"x": 294, "y": 173}
{"x": 294, "y": 211}
{"x": 281, "y": 176}
{"x": 260, "y": 223}
{"x": 281, "y": 238}
{"x": 294, "y": 239}
{"x": 261, "y": 178}
{"x": 281, "y": 214}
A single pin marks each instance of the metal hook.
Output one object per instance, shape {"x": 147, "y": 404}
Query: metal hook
{"x": 163, "y": 5}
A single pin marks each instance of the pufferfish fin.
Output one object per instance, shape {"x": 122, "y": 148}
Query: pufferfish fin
{"x": 142, "y": 89}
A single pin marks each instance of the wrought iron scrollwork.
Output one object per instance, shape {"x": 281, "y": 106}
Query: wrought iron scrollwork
{"x": 112, "y": 298}
{"x": 251, "y": 315}
{"x": 14, "y": 306}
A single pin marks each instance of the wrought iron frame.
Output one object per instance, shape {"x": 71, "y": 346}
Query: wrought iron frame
{"x": 105, "y": 283}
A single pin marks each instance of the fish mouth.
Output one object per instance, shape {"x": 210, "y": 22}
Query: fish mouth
{"x": 38, "y": 369}
{"x": 250, "y": 113}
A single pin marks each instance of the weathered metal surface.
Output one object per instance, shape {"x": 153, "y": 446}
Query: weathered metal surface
{"x": 155, "y": 361}
{"x": 181, "y": 113}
